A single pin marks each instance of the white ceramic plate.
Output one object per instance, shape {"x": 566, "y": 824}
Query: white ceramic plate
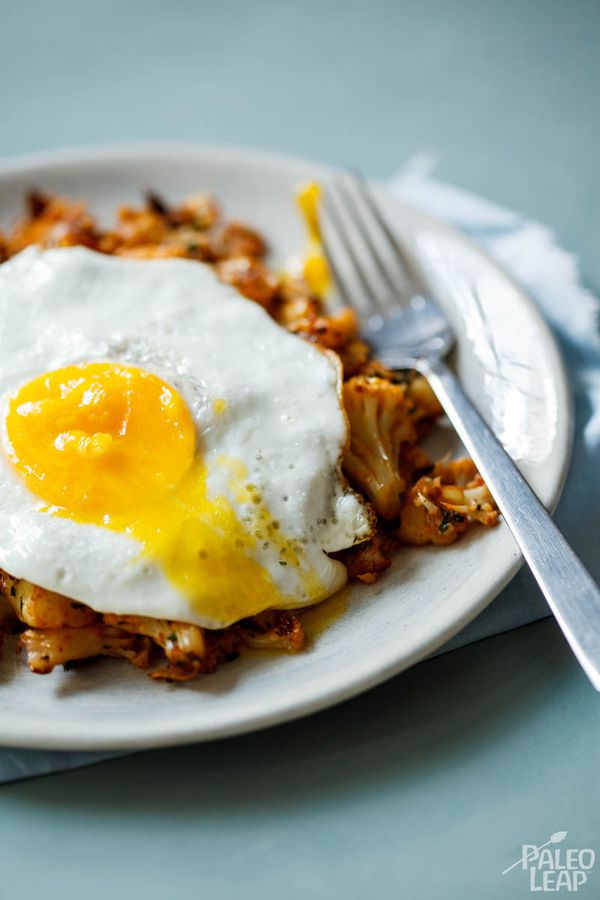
{"x": 511, "y": 367}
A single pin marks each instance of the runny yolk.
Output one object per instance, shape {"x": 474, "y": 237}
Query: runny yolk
{"x": 115, "y": 446}
{"x": 316, "y": 271}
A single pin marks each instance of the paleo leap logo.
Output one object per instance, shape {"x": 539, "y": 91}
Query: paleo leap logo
{"x": 555, "y": 870}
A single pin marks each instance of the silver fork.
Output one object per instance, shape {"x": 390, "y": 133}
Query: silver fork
{"x": 371, "y": 270}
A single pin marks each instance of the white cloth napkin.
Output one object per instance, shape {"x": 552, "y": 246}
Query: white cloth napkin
{"x": 529, "y": 252}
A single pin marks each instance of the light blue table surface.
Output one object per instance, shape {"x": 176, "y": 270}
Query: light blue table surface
{"x": 427, "y": 786}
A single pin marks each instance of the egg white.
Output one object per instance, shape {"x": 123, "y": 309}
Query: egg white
{"x": 257, "y": 394}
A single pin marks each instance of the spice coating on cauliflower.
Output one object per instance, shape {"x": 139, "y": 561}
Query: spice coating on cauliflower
{"x": 381, "y": 423}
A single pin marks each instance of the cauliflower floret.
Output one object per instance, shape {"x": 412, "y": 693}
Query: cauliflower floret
{"x": 380, "y": 417}
{"x": 424, "y": 520}
{"x": 251, "y": 278}
{"x": 464, "y": 491}
{"x": 438, "y": 508}
{"x": 427, "y": 405}
{"x": 418, "y": 389}
{"x": 219, "y": 647}
{"x": 40, "y": 608}
{"x": 49, "y": 647}
{"x": 274, "y": 629}
{"x": 366, "y": 561}
{"x": 334, "y": 332}
{"x": 183, "y": 644}
{"x": 51, "y": 222}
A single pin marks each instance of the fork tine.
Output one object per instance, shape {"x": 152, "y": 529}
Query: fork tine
{"x": 403, "y": 270}
{"x": 393, "y": 281}
{"x": 351, "y": 245}
{"x": 339, "y": 279}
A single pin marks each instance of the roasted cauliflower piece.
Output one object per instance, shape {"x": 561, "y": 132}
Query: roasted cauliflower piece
{"x": 366, "y": 561}
{"x": 220, "y": 647}
{"x": 198, "y": 211}
{"x": 236, "y": 239}
{"x": 420, "y": 393}
{"x": 333, "y": 331}
{"x": 464, "y": 491}
{"x": 49, "y": 647}
{"x": 414, "y": 463}
{"x": 302, "y": 313}
{"x": 39, "y": 608}
{"x": 295, "y": 306}
{"x": 353, "y": 355}
{"x": 183, "y": 645}
{"x": 250, "y": 277}
{"x": 273, "y": 630}
{"x": 437, "y": 511}
{"x": 380, "y": 417}
{"x": 145, "y": 234}
{"x": 51, "y": 222}
{"x": 423, "y": 519}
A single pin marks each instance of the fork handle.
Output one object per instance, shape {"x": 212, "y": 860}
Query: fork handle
{"x": 570, "y": 590}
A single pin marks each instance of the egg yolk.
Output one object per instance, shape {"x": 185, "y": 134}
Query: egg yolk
{"x": 115, "y": 446}
{"x": 316, "y": 271}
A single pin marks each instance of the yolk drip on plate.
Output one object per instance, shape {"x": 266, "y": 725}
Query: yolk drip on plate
{"x": 316, "y": 271}
{"x": 115, "y": 446}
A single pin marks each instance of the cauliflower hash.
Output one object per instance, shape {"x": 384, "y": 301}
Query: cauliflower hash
{"x": 415, "y": 500}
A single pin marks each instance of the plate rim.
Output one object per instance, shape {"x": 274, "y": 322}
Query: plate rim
{"x": 101, "y": 153}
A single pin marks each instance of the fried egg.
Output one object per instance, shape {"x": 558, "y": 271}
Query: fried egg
{"x": 168, "y": 450}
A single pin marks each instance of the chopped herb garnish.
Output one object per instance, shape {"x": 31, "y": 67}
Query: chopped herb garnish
{"x": 447, "y": 518}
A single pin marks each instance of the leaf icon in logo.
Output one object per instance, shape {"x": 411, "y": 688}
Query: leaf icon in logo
{"x": 557, "y": 837}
